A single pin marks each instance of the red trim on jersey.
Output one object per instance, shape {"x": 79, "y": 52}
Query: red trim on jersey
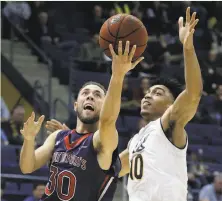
{"x": 104, "y": 184}
{"x": 76, "y": 142}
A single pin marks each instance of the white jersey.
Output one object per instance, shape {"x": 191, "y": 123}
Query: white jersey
{"x": 158, "y": 169}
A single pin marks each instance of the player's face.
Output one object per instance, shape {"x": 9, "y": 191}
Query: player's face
{"x": 39, "y": 191}
{"x": 18, "y": 115}
{"x": 157, "y": 99}
{"x": 89, "y": 104}
{"x": 218, "y": 185}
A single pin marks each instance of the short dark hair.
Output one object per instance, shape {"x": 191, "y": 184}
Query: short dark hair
{"x": 172, "y": 84}
{"x": 93, "y": 83}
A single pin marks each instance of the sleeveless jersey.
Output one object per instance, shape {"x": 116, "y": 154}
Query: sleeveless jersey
{"x": 158, "y": 169}
{"x": 75, "y": 174}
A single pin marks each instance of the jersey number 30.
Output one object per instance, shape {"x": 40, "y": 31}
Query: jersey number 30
{"x": 136, "y": 167}
{"x": 56, "y": 182}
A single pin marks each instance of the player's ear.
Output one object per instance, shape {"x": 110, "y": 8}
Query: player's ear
{"x": 75, "y": 106}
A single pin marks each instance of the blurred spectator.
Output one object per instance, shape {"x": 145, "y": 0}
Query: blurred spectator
{"x": 5, "y": 115}
{"x": 144, "y": 86}
{"x": 136, "y": 7}
{"x": 157, "y": 18}
{"x": 210, "y": 70}
{"x": 112, "y": 12}
{"x": 17, "y": 12}
{"x": 219, "y": 93}
{"x": 91, "y": 51}
{"x": 4, "y": 138}
{"x": 212, "y": 192}
{"x": 36, "y": 8}
{"x": 43, "y": 30}
{"x": 97, "y": 19}
{"x": 147, "y": 65}
{"x": 218, "y": 104}
{"x": 37, "y": 193}
{"x": 12, "y": 127}
{"x": 189, "y": 196}
{"x": 196, "y": 172}
{"x": 211, "y": 108}
{"x": 127, "y": 96}
{"x": 122, "y": 7}
{"x": 201, "y": 13}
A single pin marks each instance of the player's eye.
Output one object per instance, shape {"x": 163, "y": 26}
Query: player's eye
{"x": 97, "y": 95}
{"x": 158, "y": 94}
{"x": 84, "y": 93}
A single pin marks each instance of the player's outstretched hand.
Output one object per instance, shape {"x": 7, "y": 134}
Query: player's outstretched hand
{"x": 32, "y": 127}
{"x": 186, "y": 32}
{"x": 122, "y": 62}
{"x": 54, "y": 125}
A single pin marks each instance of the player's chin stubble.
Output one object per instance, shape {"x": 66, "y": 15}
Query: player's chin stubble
{"x": 88, "y": 119}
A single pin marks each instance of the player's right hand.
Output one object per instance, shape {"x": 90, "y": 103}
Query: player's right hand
{"x": 122, "y": 62}
{"x": 32, "y": 127}
{"x": 54, "y": 125}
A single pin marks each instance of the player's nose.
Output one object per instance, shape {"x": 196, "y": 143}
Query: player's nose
{"x": 90, "y": 97}
{"x": 148, "y": 96}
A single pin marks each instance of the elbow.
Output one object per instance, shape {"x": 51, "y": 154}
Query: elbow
{"x": 26, "y": 170}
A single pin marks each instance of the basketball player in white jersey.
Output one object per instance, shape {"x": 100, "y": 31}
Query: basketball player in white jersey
{"x": 157, "y": 154}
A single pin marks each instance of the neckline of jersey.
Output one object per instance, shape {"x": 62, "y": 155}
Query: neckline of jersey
{"x": 75, "y": 132}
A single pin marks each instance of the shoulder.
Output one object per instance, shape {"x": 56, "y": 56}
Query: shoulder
{"x": 54, "y": 136}
{"x": 207, "y": 189}
{"x": 59, "y": 134}
{"x": 206, "y": 192}
{"x": 132, "y": 140}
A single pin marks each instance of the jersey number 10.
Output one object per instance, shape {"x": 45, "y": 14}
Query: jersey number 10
{"x": 136, "y": 167}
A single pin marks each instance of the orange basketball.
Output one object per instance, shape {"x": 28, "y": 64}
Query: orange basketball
{"x": 123, "y": 27}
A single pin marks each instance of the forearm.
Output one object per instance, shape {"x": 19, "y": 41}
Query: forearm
{"x": 27, "y": 156}
{"x": 124, "y": 157}
{"x": 193, "y": 78}
{"x": 111, "y": 106}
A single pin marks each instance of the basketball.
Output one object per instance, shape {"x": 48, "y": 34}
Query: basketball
{"x": 123, "y": 27}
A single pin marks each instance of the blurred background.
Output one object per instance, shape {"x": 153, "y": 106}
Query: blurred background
{"x": 49, "y": 49}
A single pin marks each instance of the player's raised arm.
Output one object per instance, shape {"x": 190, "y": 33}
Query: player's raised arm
{"x": 107, "y": 138}
{"x": 185, "y": 106}
{"x": 31, "y": 159}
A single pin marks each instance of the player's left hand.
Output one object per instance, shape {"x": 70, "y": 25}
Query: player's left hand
{"x": 186, "y": 32}
{"x": 54, "y": 125}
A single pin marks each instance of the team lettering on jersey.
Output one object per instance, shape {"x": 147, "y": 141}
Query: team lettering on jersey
{"x": 140, "y": 146}
{"x": 69, "y": 158}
